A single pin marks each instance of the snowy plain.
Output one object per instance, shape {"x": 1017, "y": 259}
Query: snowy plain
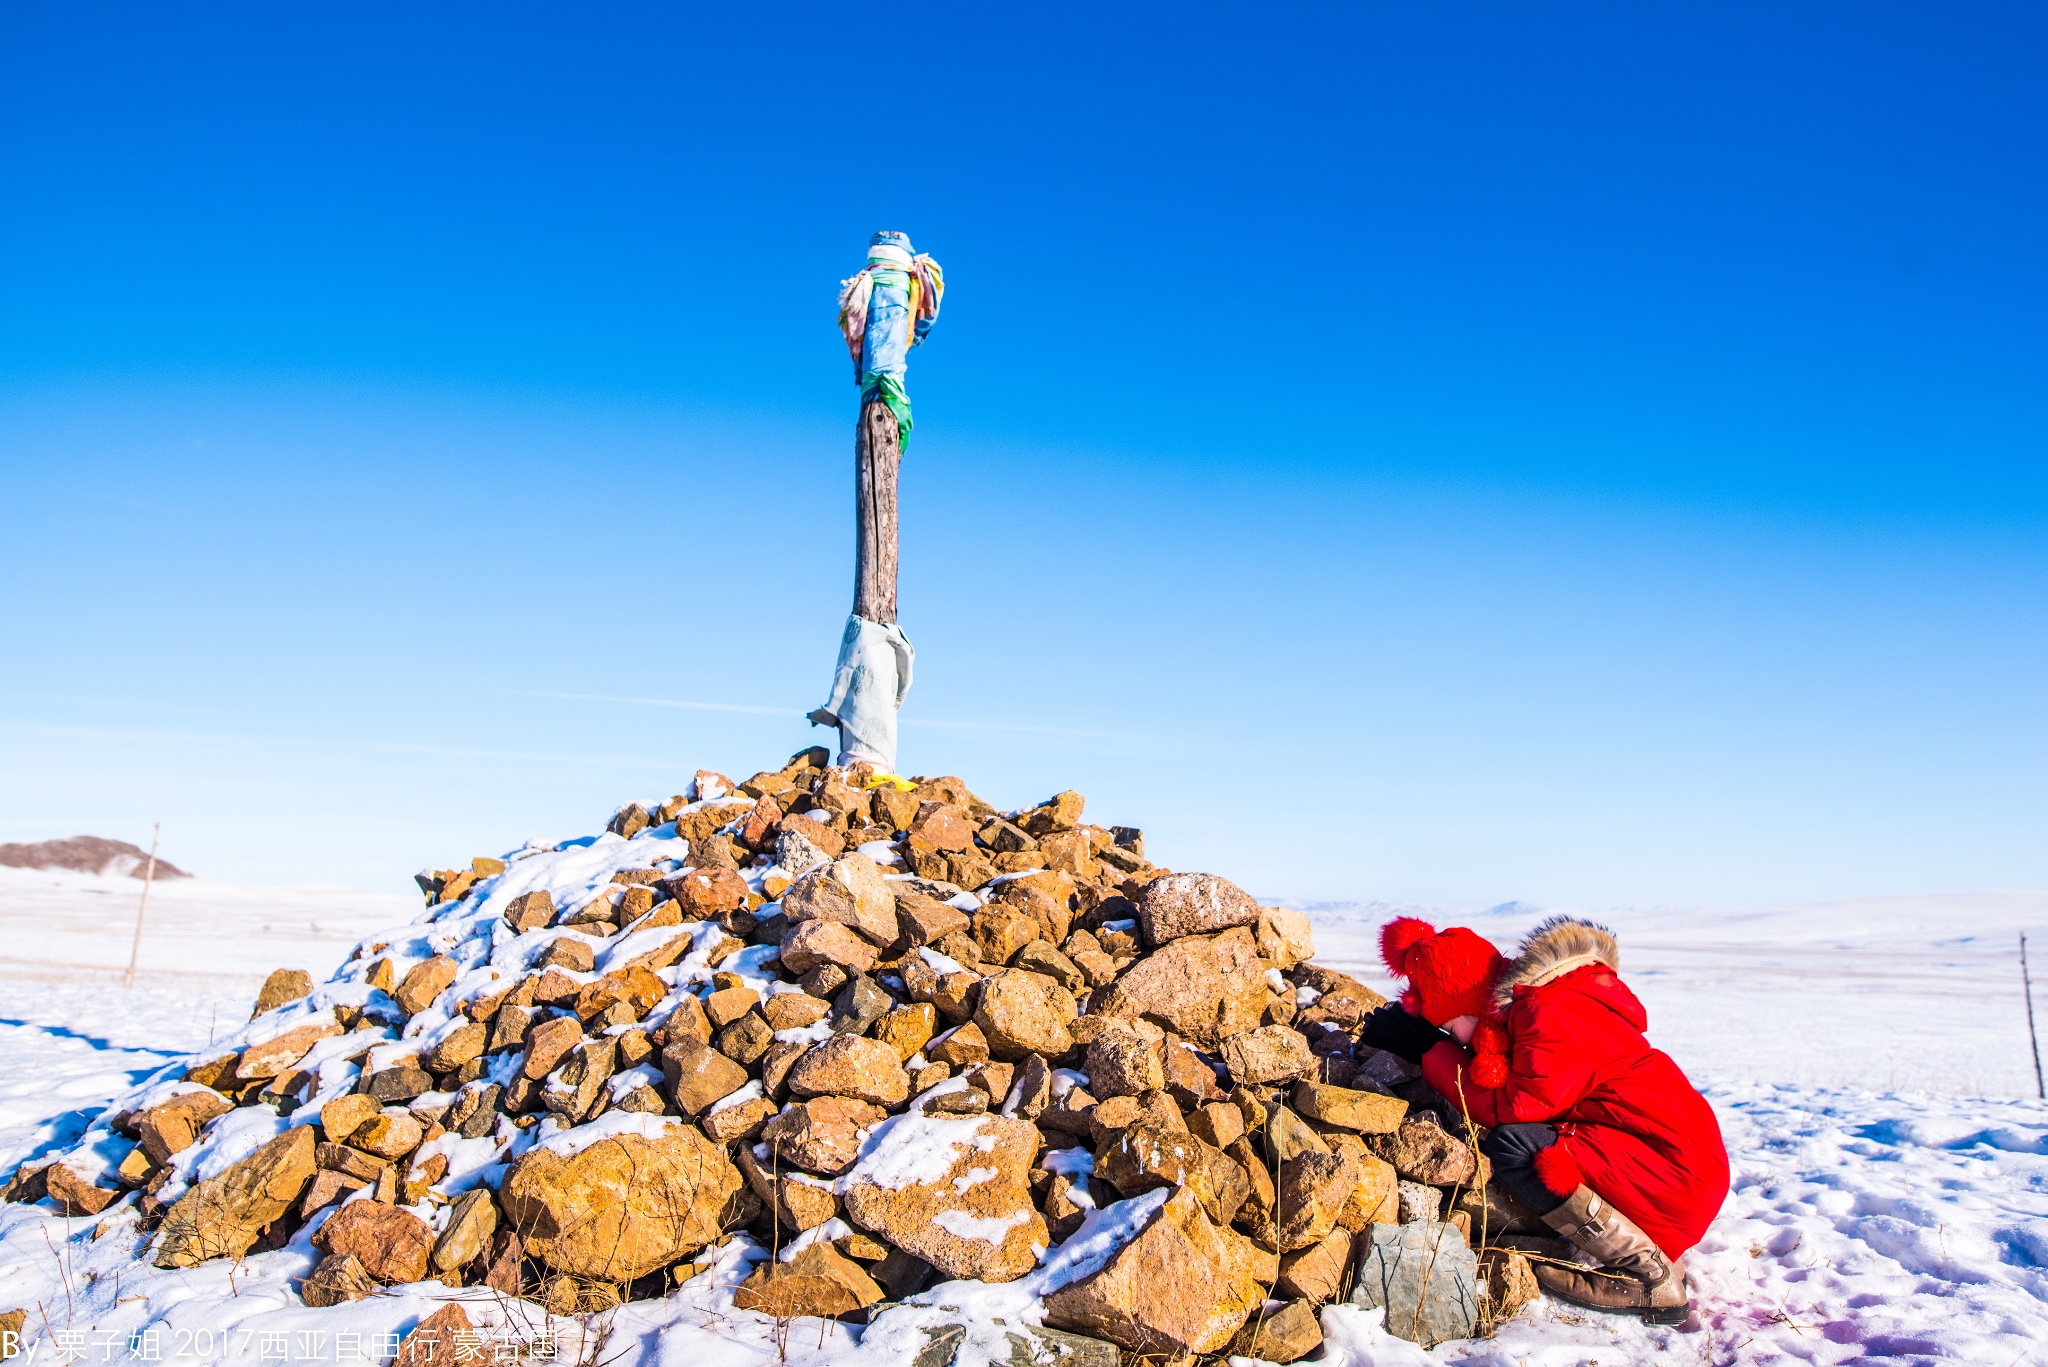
{"x": 1868, "y": 1061}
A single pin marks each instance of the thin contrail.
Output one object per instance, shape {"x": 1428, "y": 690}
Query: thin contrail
{"x": 323, "y": 743}
{"x": 1018, "y": 726}
{"x": 668, "y": 702}
{"x": 791, "y": 712}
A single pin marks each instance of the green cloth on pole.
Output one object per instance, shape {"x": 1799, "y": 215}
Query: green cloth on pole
{"x": 889, "y": 390}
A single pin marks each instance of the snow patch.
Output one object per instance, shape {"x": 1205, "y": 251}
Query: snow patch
{"x": 990, "y": 1229}
{"x": 610, "y": 1125}
{"x": 752, "y": 1091}
{"x": 1068, "y": 1162}
{"x": 641, "y": 1075}
{"x": 940, "y": 964}
{"x": 916, "y": 1150}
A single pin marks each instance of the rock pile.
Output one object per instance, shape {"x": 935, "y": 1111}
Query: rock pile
{"x": 884, "y": 1031}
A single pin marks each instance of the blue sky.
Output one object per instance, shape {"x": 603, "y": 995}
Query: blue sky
{"x": 1588, "y": 456}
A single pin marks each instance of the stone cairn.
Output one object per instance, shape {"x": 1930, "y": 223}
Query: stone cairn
{"x": 888, "y": 1032}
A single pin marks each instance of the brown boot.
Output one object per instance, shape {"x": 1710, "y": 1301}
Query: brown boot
{"x": 1633, "y": 1278}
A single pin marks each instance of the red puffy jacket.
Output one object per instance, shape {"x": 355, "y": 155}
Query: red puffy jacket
{"x": 1642, "y": 1137}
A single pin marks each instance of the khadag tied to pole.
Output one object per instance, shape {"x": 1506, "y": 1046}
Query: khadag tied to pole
{"x": 885, "y": 309}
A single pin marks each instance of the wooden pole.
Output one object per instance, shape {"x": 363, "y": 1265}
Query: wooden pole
{"x": 2027, "y": 981}
{"x": 148, "y": 881}
{"x": 876, "y": 455}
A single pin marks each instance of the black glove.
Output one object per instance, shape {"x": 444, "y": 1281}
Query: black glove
{"x": 1391, "y": 1028}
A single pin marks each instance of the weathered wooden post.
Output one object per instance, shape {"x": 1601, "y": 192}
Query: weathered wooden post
{"x": 148, "y": 882}
{"x": 2034, "y": 1040}
{"x": 876, "y": 455}
{"x": 884, "y": 311}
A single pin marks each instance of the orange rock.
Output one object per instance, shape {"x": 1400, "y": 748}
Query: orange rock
{"x": 811, "y": 943}
{"x": 850, "y": 891}
{"x": 851, "y": 1065}
{"x": 1216, "y": 1276}
{"x": 173, "y": 1126}
{"x": 424, "y": 982}
{"x": 391, "y": 1243}
{"x": 1204, "y": 988}
{"x": 443, "y": 1339}
{"x": 222, "y": 1216}
{"x": 73, "y": 1194}
{"x": 274, "y": 1055}
{"x": 819, "y": 1280}
{"x": 1193, "y": 904}
{"x": 1024, "y": 1013}
{"x": 973, "y": 1218}
{"x": 623, "y": 1207}
{"x": 821, "y": 1135}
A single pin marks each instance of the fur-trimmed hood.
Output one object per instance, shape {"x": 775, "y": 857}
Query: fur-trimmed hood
{"x": 1553, "y": 949}
{"x": 1578, "y": 1056}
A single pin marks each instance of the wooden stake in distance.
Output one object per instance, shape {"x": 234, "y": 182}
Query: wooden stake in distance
{"x": 877, "y": 454}
{"x": 2027, "y": 982}
{"x": 148, "y": 881}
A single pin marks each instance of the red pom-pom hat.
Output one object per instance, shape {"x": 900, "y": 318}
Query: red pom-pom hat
{"x": 1450, "y": 973}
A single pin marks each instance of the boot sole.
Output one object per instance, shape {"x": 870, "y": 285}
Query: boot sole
{"x": 1665, "y": 1315}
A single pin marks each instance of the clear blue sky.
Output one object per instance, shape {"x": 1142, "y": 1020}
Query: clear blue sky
{"x": 1591, "y": 454}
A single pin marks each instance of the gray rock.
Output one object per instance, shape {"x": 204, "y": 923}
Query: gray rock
{"x": 1386, "y": 1071}
{"x": 859, "y": 1004}
{"x": 931, "y": 887}
{"x": 1419, "y": 1202}
{"x": 940, "y": 1346}
{"x": 1029, "y": 1347}
{"x": 1057, "y": 1348}
{"x": 1425, "y": 1276}
{"x": 483, "y": 1117}
{"x": 900, "y": 1275}
{"x": 796, "y": 855}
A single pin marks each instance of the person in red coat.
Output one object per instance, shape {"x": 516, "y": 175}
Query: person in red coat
{"x": 1593, "y": 1129}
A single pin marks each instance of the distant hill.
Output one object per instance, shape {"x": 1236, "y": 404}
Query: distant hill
{"x": 87, "y": 854}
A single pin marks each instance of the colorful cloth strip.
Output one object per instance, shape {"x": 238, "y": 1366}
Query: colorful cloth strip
{"x": 884, "y": 311}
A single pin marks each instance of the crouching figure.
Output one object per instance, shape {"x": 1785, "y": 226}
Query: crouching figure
{"x": 1591, "y": 1128}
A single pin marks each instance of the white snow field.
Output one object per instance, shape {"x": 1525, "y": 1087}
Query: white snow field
{"x": 1868, "y": 1061}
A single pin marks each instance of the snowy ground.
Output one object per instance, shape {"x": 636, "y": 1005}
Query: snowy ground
{"x": 1883, "y": 993}
{"x": 1867, "y": 1223}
